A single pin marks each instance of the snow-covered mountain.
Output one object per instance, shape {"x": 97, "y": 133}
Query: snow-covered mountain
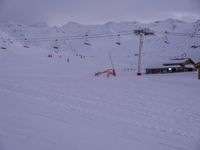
{"x": 157, "y": 49}
{"x": 56, "y": 103}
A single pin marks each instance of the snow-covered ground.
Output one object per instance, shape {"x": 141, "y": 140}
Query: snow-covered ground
{"x": 50, "y": 103}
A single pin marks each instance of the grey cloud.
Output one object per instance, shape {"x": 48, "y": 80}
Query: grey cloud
{"x": 97, "y": 11}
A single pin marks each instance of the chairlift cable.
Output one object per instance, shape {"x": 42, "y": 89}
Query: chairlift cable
{"x": 103, "y": 35}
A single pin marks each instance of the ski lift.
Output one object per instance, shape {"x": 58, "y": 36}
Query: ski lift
{"x": 86, "y": 40}
{"x": 118, "y": 42}
{"x": 26, "y": 43}
{"x": 56, "y": 45}
{"x": 166, "y": 38}
{"x": 4, "y": 45}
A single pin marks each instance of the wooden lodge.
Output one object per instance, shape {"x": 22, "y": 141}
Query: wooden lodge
{"x": 176, "y": 67}
{"x": 170, "y": 68}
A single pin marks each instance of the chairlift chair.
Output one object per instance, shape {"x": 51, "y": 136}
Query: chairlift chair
{"x": 4, "y": 45}
{"x": 56, "y": 45}
{"x": 166, "y": 38}
{"x": 118, "y": 42}
{"x": 26, "y": 43}
{"x": 86, "y": 40}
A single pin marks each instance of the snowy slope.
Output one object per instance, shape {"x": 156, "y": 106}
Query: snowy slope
{"x": 50, "y": 103}
{"x": 55, "y": 105}
{"x": 157, "y": 49}
{"x": 6, "y": 42}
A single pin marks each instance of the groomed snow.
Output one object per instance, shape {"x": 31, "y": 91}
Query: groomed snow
{"x": 48, "y": 104}
{"x": 58, "y": 104}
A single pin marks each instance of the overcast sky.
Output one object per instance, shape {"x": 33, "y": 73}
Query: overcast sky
{"x": 59, "y": 12}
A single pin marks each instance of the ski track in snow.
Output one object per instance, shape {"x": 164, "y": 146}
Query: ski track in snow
{"x": 133, "y": 112}
{"x": 49, "y": 103}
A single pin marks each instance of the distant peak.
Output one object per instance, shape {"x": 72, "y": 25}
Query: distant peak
{"x": 170, "y": 20}
{"x": 40, "y": 25}
{"x": 72, "y": 24}
{"x": 109, "y": 23}
{"x": 129, "y": 22}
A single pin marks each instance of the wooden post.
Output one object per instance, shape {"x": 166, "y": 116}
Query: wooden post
{"x": 199, "y": 73}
